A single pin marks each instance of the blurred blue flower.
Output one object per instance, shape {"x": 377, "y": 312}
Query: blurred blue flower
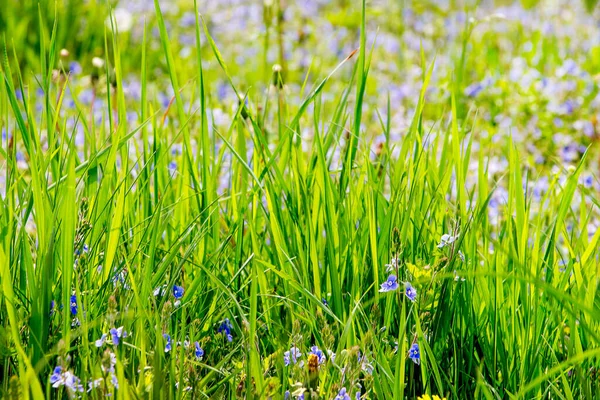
{"x": 67, "y": 379}
{"x": 414, "y": 353}
{"x": 198, "y": 352}
{"x": 56, "y": 376}
{"x": 291, "y": 356}
{"x": 390, "y": 284}
{"x": 117, "y": 334}
{"x": 168, "y": 344}
{"x": 74, "y": 304}
{"x": 72, "y": 382}
{"x": 75, "y": 68}
{"x": 446, "y": 240}
{"x": 411, "y": 292}
{"x": 93, "y": 384}
{"x": 178, "y": 291}
{"x": 225, "y": 329}
{"x": 358, "y": 395}
{"x": 114, "y": 380}
{"x": 286, "y": 395}
{"x": 342, "y": 395}
{"x": 100, "y": 342}
{"x": 52, "y": 307}
{"x": 317, "y": 352}
{"x": 474, "y": 89}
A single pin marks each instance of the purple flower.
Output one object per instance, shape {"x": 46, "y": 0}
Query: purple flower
{"x": 414, "y": 353}
{"x": 74, "y": 304}
{"x": 117, "y": 334}
{"x": 225, "y": 329}
{"x": 199, "y": 352}
{"x": 291, "y": 356}
{"x": 168, "y": 344}
{"x": 317, "y": 352}
{"x": 56, "y": 377}
{"x": 389, "y": 285}
{"x": 411, "y": 292}
{"x": 100, "y": 342}
{"x": 342, "y": 395}
{"x": 178, "y": 291}
{"x": 474, "y": 89}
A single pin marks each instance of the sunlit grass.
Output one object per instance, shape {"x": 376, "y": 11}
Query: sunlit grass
{"x": 156, "y": 249}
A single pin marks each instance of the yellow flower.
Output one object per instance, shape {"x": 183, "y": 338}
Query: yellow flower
{"x": 428, "y": 397}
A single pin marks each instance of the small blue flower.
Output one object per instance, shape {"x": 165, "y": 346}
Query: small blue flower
{"x": 446, "y": 240}
{"x": 411, "y": 292}
{"x": 286, "y": 395}
{"x": 74, "y": 304}
{"x": 225, "y": 329}
{"x": 291, "y": 356}
{"x": 390, "y": 284}
{"x": 414, "y": 353}
{"x": 72, "y": 382}
{"x": 199, "y": 352}
{"x": 100, "y": 342}
{"x": 342, "y": 395}
{"x": 320, "y": 356}
{"x": 474, "y": 89}
{"x": 168, "y": 344}
{"x": 56, "y": 377}
{"x": 324, "y": 301}
{"x": 178, "y": 292}
{"x": 301, "y": 397}
{"x": 117, "y": 334}
{"x": 52, "y": 307}
{"x": 114, "y": 381}
{"x": 358, "y": 395}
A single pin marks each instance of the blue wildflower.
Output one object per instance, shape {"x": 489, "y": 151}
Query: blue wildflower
{"x": 56, "y": 376}
{"x": 446, "y": 240}
{"x": 168, "y": 344}
{"x": 411, "y": 292}
{"x": 75, "y": 68}
{"x": 199, "y": 352}
{"x": 178, "y": 291}
{"x": 114, "y": 381}
{"x": 74, "y": 304}
{"x": 291, "y": 356}
{"x": 100, "y": 342}
{"x": 286, "y": 395}
{"x": 225, "y": 329}
{"x": 414, "y": 353}
{"x": 390, "y": 284}
{"x": 358, "y": 395}
{"x": 72, "y": 382}
{"x": 474, "y": 89}
{"x": 52, "y": 306}
{"x": 320, "y": 355}
{"x": 342, "y": 395}
{"x": 117, "y": 334}
{"x": 67, "y": 379}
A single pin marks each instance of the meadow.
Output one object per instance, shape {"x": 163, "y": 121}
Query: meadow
{"x": 299, "y": 200}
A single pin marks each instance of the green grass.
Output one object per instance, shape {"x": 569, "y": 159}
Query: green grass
{"x": 293, "y": 251}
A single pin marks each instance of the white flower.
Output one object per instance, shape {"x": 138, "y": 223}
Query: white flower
{"x": 123, "y": 19}
{"x": 97, "y": 62}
